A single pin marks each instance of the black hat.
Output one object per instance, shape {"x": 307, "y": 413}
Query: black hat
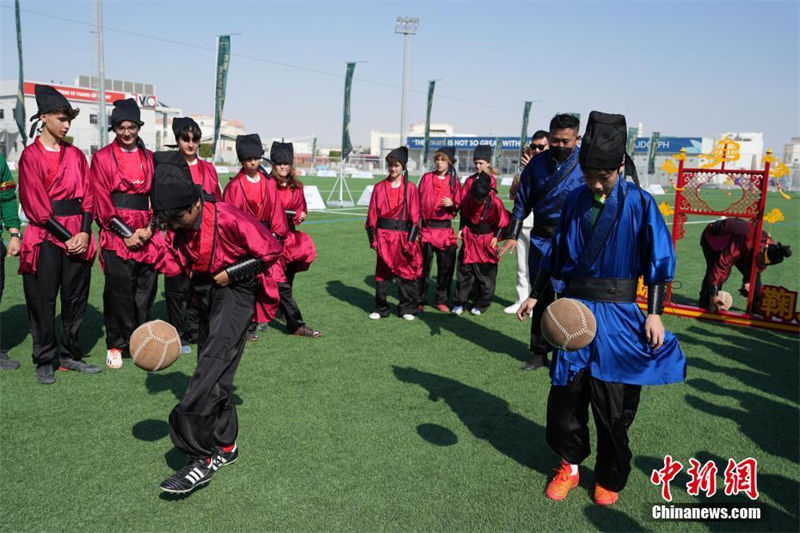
{"x": 450, "y": 152}
{"x": 603, "y": 144}
{"x": 125, "y": 110}
{"x": 482, "y": 151}
{"x": 776, "y": 253}
{"x": 48, "y": 99}
{"x": 481, "y": 186}
{"x": 180, "y": 124}
{"x": 248, "y": 146}
{"x": 172, "y": 187}
{"x": 281, "y": 153}
{"x": 401, "y": 154}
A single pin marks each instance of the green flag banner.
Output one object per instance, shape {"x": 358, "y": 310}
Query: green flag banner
{"x": 426, "y": 148}
{"x": 347, "y": 146}
{"x": 651, "y": 156}
{"x": 498, "y": 151}
{"x": 223, "y": 59}
{"x": 630, "y": 147}
{"x": 19, "y": 107}
{"x": 523, "y": 136}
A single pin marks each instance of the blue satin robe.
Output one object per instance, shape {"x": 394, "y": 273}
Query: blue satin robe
{"x": 630, "y": 239}
{"x": 540, "y": 171}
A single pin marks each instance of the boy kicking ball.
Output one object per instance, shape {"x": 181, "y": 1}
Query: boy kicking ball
{"x": 223, "y": 250}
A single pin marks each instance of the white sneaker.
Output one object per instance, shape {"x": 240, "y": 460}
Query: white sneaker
{"x": 114, "y": 358}
{"x": 512, "y": 309}
{"x": 475, "y": 311}
{"x": 457, "y": 310}
{"x": 374, "y": 316}
{"x": 408, "y": 316}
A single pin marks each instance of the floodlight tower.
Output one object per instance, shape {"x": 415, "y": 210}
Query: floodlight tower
{"x": 407, "y": 26}
{"x": 101, "y": 76}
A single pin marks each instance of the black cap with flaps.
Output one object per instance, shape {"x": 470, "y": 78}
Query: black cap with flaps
{"x": 281, "y": 153}
{"x": 249, "y": 146}
{"x": 401, "y": 154}
{"x": 125, "y": 110}
{"x": 483, "y": 152}
{"x": 603, "y": 143}
{"x": 450, "y": 152}
{"x": 48, "y": 99}
{"x": 173, "y": 187}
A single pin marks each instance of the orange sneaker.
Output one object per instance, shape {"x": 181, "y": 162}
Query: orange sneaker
{"x": 604, "y": 496}
{"x": 442, "y": 307}
{"x": 562, "y": 483}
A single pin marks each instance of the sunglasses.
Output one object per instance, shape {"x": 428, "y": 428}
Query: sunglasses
{"x": 539, "y": 147}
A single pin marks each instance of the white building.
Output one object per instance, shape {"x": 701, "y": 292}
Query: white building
{"x": 791, "y": 152}
{"x": 84, "y": 132}
{"x": 751, "y": 149}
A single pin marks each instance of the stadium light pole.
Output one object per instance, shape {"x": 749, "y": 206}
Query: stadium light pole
{"x": 407, "y": 26}
{"x": 101, "y": 75}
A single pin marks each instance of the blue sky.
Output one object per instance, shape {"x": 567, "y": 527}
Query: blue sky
{"x": 681, "y": 68}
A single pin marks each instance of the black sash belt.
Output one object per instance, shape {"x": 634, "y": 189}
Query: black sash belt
{"x": 542, "y": 230}
{"x": 393, "y": 224}
{"x": 66, "y": 208}
{"x": 136, "y": 202}
{"x": 481, "y": 229}
{"x": 602, "y": 289}
{"x": 437, "y": 223}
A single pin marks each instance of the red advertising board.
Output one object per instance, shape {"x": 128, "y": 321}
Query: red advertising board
{"x": 81, "y": 94}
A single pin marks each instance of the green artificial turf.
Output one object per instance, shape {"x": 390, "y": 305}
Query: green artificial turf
{"x": 389, "y": 425}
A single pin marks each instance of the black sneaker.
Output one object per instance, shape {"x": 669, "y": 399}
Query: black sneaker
{"x": 188, "y": 478}
{"x": 77, "y": 365}
{"x": 6, "y": 363}
{"x": 45, "y": 375}
{"x": 222, "y": 458}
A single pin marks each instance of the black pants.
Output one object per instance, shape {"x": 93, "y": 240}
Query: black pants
{"x": 476, "y": 280}
{"x": 445, "y": 267}
{"x": 705, "y": 291}
{"x": 614, "y": 406}
{"x": 2, "y": 267}
{"x": 182, "y": 307}
{"x": 408, "y": 293}
{"x": 127, "y": 298}
{"x": 206, "y": 415}
{"x": 539, "y": 346}
{"x": 56, "y": 271}
{"x": 288, "y": 305}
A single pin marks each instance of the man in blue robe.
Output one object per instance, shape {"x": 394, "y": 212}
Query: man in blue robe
{"x": 543, "y": 187}
{"x": 610, "y": 233}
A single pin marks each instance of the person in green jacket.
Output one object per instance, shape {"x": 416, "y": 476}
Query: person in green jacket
{"x": 9, "y": 219}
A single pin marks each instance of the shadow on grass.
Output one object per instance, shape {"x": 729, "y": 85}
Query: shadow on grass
{"x": 770, "y": 369}
{"x": 352, "y": 295}
{"x": 436, "y": 434}
{"x": 488, "y": 339}
{"x": 176, "y": 382}
{"x": 15, "y": 327}
{"x": 488, "y": 417}
{"x": 150, "y": 430}
{"x": 606, "y": 518}
{"x": 771, "y": 425}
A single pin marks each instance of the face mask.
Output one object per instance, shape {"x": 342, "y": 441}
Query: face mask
{"x": 560, "y": 153}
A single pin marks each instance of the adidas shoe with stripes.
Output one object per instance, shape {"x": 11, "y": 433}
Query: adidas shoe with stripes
{"x": 223, "y": 458}
{"x": 188, "y": 478}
